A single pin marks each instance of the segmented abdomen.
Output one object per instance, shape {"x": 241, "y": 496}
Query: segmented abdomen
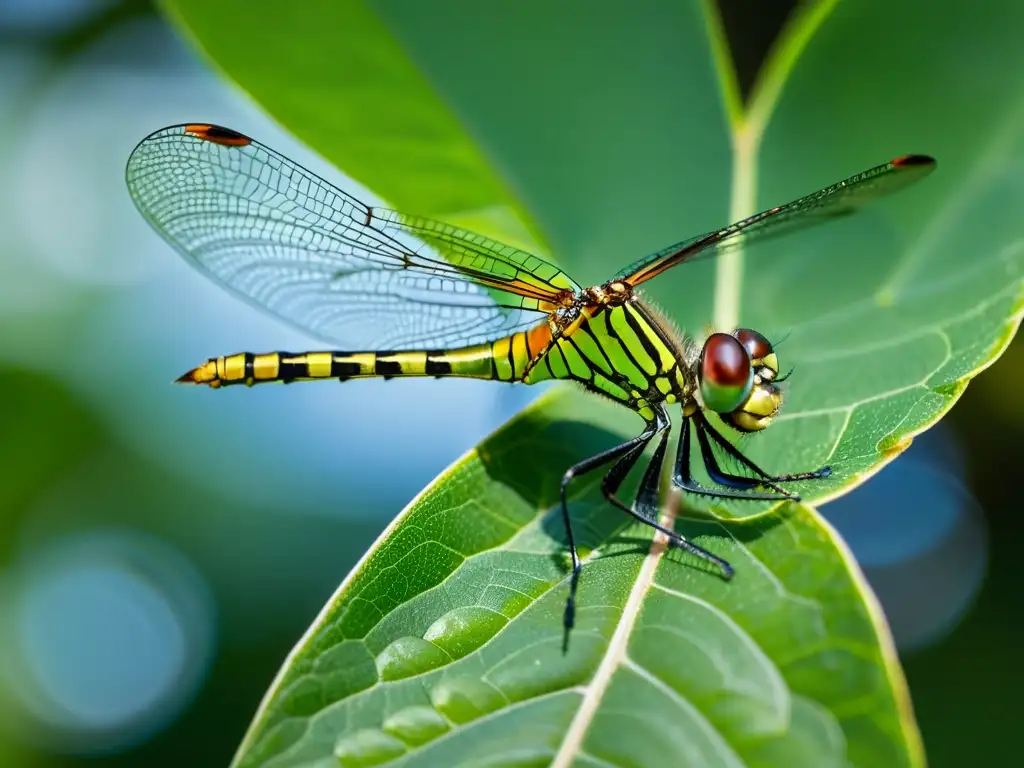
{"x": 506, "y": 359}
{"x": 612, "y": 350}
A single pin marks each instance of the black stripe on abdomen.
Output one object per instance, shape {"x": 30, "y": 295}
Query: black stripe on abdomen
{"x": 435, "y": 366}
{"x": 386, "y": 368}
{"x": 341, "y": 369}
{"x": 288, "y": 370}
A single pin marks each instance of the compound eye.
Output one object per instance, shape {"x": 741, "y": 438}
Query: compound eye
{"x": 757, "y": 345}
{"x": 761, "y": 352}
{"x": 725, "y": 372}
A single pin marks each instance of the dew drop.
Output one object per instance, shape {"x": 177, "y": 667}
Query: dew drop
{"x": 416, "y": 725}
{"x": 408, "y": 656}
{"x": 464, "y": 699}
{"x": 465, "y": 629}
{"x": 367, "y": 747}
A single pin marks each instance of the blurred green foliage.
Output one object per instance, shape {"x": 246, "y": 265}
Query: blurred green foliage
{"x": 45, "y": 432}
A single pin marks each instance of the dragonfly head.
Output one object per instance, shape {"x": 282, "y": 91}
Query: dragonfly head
{"x": 735, "y": 372}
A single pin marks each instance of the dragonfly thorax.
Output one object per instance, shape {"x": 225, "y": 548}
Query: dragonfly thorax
{"x": 611, "y": 293}
{"x": 617, "y": 346}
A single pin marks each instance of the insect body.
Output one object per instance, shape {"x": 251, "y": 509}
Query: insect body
{"x": 406, "y": 296}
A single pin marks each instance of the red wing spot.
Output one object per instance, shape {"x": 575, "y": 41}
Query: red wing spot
{"x": 913, "y": 160}
{"x": 218, "y": 135}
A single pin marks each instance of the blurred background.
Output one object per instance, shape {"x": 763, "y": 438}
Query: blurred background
{"x": 156, "y": 566}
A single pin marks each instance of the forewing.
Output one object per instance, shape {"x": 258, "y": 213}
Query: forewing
{"x": 356, "y": 276}
{"x": 840, "y": 199}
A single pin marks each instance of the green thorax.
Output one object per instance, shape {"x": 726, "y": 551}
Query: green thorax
{"x": 620, "y": 350}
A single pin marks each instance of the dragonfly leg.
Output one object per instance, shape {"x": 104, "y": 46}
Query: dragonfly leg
{"x": 648, "y": 496}
{"x": 630, "y": 449}
{"x": 683, "y": 478}
{"x": 704, "y": 426}
{"x": 729, "y": 480}
{"x": 646, "y": 510}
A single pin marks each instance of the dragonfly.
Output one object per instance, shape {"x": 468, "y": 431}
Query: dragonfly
{"x": 400, "y": 295}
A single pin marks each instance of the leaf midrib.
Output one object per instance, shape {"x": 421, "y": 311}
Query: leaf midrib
{"x": 616, "y": 651}
{"x": 747, "y": 124}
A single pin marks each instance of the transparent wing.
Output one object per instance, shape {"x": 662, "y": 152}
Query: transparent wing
{"x": 353, "y": 275}
{"x": 840, "y": 199}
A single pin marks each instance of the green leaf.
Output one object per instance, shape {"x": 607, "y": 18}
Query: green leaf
{"x": 620, "y": 128}
{"x": 444, "y": 646}
{"x": 894, "y": 310}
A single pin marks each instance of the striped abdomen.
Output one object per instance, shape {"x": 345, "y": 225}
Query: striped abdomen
{"x": 503, "y": 360}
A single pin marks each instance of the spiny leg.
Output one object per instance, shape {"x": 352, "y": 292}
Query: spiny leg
{"x": 648, "y": 495}
{"x": 733, "y": 451}
{"x": 621, "y": 452}
{"x": 683, "y": 478}
{"x": 729, "y": 480}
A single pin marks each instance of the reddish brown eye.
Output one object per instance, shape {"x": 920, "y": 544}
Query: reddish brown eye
{"x": 757, "y": 345}
{"x": 725, "y": 362}
{"x": 725, "y": 372}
